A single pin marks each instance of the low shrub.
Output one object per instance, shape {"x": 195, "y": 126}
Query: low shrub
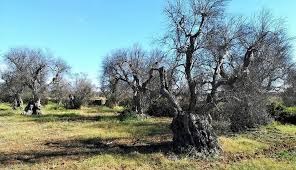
{"x": 127, "y": 115}
{"x": 161, "y": 108}
{"x": 282, "y": 113}
{"x": 289, "y": 97}
{"x": 248, "y": 115}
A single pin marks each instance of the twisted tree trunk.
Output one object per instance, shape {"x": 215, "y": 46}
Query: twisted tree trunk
{"x": 18, "y": 101}
{"x": 192, "y": 132}
{"x": 194, "y": 135}
{"x": 137, "y": 104}
{"x": 34, "y": 106}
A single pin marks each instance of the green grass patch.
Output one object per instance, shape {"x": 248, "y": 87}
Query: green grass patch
{"x": 291, "y": 110}
{"x": 136, "y": 161}
{"x": 96, "y": 138}
{"x": 262, "y": 163}
{"x": 54, "y": 107}
{"x": 5, "y": 106}
{"x": 241, "y": 145}
{"x": 283, "y": 128}
{"x": 287, "y": 155}
{"x": 103, "y": 109}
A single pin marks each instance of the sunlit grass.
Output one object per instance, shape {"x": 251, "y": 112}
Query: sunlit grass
{"x": 291, "y": 110}
{"x": 287, "y": 155}
{"x": 59, "y": 132}
{"x": 5, "y": 106}
{"x": 116, "y": 161}
{"x": 241, "y": 145}
{"x": 287, "y": 129}
{"x": 137, "y": 161}
{"x": 262, "y": 163}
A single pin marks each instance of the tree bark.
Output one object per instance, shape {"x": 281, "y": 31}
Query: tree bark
{"x": 211, "y": 95}
{"x": 214, "y": 83}
{"x": 137, "y": 104}
{"x": 192, "y": 133}
{"x": 113, "y": 98}
{"x": 34, "y": 106}
{"x": 190, "y": 81}
{"x": 18, "y": 101}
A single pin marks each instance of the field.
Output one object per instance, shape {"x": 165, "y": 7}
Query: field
{"x": 95, "y": 138}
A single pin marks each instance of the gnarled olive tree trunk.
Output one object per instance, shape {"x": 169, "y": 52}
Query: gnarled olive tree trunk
{"x": 192, "y": 132}
{"x": 137, "y": 103}
{"x": 18, "y": 101}
{"x": 34, "y": 106}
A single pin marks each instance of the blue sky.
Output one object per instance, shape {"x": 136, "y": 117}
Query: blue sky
{"x": 83, "y": 31}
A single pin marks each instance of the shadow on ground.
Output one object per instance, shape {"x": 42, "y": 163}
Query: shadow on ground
{"x": 73, "y": 117}
{"x": 5, "y": 114}
{"x": 81, "y": 148}
{"x": 142, "y": 127}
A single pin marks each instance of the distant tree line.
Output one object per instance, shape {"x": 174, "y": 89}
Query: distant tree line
{"x": 36, "y": 75}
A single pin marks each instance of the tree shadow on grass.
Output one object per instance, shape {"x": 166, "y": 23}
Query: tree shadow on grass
{"x": 73, "y": 117}
{"x": 3, "y": 114}
{"x": 81, "y": 148}
{"x": 137, "y": 127}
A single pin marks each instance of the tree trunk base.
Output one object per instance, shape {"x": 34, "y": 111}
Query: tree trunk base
{"x": 33, "y": 108}
{"x": 194, "y": 135}
{"x": 18, "y": 103}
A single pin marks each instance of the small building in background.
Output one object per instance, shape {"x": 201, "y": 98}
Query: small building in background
{"x": 98, "y": 101}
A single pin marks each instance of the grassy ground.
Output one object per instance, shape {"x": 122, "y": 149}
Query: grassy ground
{"x": 291, "y": 110}
{"x": 94, "y": 138}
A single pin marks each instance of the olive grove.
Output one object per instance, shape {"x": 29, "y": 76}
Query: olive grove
{"x": 216, "y": 68}
{"x": 33, "y": 69}
{"x": 134, "y": 68}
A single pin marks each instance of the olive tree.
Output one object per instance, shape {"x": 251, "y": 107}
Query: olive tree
{"x": 217, "y": 64}
{"x": 82, "y": 90}
{"x": 289, "y": 93}
{"x": 60, "y": 86}
{"x": 189, "y": 24}
{"x": 12, "y": 88}
{"x": 262, "y": 58}
{"x": 35, "y": 69}
{"x": 134, "y": 68}
{"x": 229, "y": 64}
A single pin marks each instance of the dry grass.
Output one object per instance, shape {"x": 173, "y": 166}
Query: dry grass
{"x": 262, "y": 163}
{"x": 241, "y": 145}
{"x": 94, "y": 138}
